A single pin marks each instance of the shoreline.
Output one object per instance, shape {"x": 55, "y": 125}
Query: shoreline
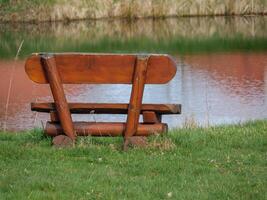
{"x": 125, "y": 19}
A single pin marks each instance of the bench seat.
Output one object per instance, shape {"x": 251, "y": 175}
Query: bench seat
{"x": 108, "y": 108}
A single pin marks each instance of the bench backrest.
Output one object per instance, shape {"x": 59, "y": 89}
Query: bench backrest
{"x": 75, "y": 68}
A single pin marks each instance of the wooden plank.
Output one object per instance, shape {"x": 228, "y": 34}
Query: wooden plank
{"x": 108, "y": 108}
{"x": 101, "y": 68}
{"x": 61, "y": 104}
{"x": 134, "y": 109}
{"x": 105, "y": 129}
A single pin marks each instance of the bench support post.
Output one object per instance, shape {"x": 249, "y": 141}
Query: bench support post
{"x": 139, "y": 79}
{"x": 150, "y": 117}
{"x": 54, "y": 116}
{"x": 63, "y": 112}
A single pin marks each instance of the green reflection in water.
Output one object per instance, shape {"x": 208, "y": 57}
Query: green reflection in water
{"x": 175, "y": 35}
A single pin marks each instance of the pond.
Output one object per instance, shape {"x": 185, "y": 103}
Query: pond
{"x": 221, "y": 62}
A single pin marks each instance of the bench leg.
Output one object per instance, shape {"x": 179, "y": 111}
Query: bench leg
{"x": 150, "y": 117}
{"x": 135, "y": 104}
{"x": 62, "y": 141}
{"x": 63, "y": 112}
{"x": 54, "y": 116}
{"x": 137, "y": 141}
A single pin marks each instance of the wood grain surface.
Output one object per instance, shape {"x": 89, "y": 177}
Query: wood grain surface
{"x": 77, "y": 68}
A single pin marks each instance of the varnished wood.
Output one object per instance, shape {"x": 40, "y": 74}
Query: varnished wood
{"x": 71, "y": 68}
{"x": 151, "y": 117}
{"x": 102, "y": 68}
{"x": 105, "y": 129}
{"x": 54, "y": 116}
{"x": 108, "y": 108}
{"x": 50, "y": 69}
{"x": 134, "y": 109}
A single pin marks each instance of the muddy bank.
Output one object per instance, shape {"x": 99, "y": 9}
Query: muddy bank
{"x": 56, "y": 10}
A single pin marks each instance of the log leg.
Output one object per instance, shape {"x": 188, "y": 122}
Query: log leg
{"x": 138, "y": 141}
{"x": 61, "y": 141}
{"x": 54, "y": 116}
{"x": 135, "y": 104}
{"x": 150, "y": 117}
{"x": 105, "y": 129}
{"x": 63, "y": 112}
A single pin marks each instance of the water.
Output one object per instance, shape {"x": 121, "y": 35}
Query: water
{"x": 221, "y": 76}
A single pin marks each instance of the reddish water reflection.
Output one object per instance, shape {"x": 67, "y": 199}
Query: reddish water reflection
{"x": 218, "y": 88}
{"x": 229, "y": 87}
{"x": 240, "y": 74}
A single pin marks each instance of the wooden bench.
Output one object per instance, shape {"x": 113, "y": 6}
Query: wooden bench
{"x": 83, "y": 68}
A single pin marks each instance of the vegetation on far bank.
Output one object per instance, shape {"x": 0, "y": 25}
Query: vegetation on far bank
{"x": 223, "y": 162}
{"x": 54, "y": 10}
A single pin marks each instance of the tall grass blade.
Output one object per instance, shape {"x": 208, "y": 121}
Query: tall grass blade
{"x": 10, "y": 85}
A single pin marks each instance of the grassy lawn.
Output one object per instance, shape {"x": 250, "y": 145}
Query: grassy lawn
{"x": 224, "y": 162}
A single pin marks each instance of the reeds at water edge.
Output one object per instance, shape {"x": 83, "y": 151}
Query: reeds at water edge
{"x": 56, "y": 10}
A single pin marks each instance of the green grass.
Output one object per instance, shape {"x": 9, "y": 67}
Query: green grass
{"x": 224, "y": 162}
